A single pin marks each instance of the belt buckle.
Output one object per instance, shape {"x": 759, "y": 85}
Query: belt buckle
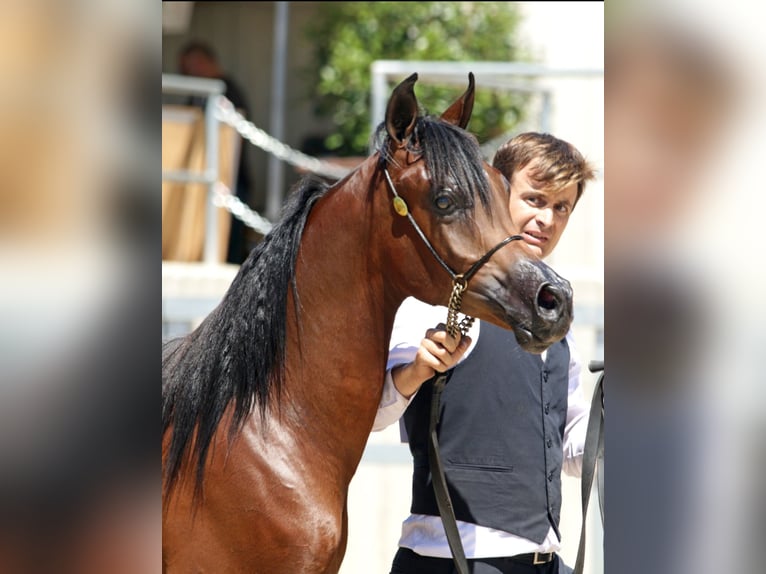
{"x": 537, "y": 559}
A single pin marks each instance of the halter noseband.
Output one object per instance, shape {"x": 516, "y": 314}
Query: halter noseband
{"x": 459, "y": 280}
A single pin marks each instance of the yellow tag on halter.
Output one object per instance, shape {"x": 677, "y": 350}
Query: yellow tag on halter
{"x": 400, "y": 206}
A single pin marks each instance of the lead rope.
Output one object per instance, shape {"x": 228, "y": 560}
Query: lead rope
{"x": 592, "y": 459}
{"x": 443, "y": 500}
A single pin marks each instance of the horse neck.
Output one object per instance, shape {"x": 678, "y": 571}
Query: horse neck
{"x": 337, "y": 342}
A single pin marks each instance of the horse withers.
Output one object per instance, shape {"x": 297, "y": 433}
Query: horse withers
{"x": 268, "y": 404}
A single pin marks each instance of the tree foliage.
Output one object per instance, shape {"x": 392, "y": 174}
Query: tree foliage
{"x": 349, "y": 36}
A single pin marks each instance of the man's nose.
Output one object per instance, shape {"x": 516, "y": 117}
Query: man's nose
{"x": 544, "y": 217}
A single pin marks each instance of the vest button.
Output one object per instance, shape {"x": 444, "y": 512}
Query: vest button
{"x": 545, "y": 375}
{"x": 547, "y": 408}
{"x": 550, "y": 476}
{"x": 549, "y": 443}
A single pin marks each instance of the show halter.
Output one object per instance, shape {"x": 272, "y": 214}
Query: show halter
{"x": 459, "y": 280}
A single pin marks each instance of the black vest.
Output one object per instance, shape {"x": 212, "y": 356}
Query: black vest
{"x": 501, "y": 430}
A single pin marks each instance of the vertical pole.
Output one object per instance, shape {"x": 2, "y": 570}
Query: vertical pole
{"x": 275, "y": 178}
{"x": 545, "y": 112}
{"x": 210, "y": 254}
{"x": 378, "y": 96}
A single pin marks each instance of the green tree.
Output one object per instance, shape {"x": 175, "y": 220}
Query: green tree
{"x": 349, "y": 36}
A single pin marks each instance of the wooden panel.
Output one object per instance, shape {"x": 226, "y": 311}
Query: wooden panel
{"x": 183, "y": 205}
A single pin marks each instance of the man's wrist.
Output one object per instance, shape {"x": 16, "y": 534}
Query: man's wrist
{"x": 406, "y": 380}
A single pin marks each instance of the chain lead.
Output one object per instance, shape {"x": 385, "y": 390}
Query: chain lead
{"x": 453, "y": 308}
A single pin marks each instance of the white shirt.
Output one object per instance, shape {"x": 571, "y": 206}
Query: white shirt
{"x": 424, "y": 533}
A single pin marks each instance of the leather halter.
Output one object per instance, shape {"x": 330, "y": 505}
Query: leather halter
{"x": 459, "y": 280}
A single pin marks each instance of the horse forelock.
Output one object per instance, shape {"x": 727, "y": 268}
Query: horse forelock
{"x": 237, "y": 353}
{"x": 451, "y": 154}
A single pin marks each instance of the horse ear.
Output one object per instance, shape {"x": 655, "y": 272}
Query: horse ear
{"x": 402, "y": 110}
{"x": 459, "y": 113}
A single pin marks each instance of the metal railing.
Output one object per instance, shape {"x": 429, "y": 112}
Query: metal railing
{"x": 507, "y": 76}
{"x": 212, "y": 90}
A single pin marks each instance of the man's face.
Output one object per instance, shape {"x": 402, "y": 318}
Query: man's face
{"x": 540, "y": 214}
{"x": 198, "y": 64}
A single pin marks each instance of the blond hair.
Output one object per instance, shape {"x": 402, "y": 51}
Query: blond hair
{"x": 557, "y": 163}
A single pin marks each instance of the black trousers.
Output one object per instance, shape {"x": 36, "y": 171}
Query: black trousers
{"x": 408, "y": 562}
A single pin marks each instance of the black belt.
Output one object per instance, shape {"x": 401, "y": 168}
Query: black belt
{"x": 534, "y": 557}
{"x": 411, "y": 561}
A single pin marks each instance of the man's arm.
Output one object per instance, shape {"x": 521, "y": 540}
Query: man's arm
{"x": 392, "y": 405}
{"x": 577, "y": 415}
{"x": 411, "y": 364}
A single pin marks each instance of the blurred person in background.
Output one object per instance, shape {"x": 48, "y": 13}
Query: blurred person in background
{"x": 79, "y": 223}
{"x": 667, "y": 97}
{"x": 511, "y": 420}
{"x": 200, "y": 60}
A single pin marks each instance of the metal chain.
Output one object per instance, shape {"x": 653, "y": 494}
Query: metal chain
{"x": 226, "y": 113}
{"x": 453, "y": 308}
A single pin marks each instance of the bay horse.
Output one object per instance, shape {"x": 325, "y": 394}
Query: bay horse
{"x": 268, "y": 404}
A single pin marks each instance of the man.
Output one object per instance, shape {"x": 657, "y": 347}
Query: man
{"x": 510, "y": 421}
{"x": 200, "y": 60}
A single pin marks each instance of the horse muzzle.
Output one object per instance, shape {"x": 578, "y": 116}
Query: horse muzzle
{"x": 548, "y": 299}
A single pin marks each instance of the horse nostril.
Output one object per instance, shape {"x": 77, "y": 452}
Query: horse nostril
{"x": 548, "y": 297}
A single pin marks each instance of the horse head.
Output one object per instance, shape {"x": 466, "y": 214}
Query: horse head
{"x": 451, "y": 207}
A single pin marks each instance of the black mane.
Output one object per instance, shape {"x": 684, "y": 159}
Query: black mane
{"x": 237, "y": 352}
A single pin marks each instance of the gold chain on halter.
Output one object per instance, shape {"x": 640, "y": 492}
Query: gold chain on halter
{"x": 454, "y": 326}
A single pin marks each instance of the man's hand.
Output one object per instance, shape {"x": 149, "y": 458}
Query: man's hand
{"x": 438, "y": 352}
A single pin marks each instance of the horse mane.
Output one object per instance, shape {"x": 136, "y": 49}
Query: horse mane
{"x": 237, "y": 353}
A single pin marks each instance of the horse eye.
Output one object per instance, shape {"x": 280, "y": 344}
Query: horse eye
{"x": 443, "y": 202}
